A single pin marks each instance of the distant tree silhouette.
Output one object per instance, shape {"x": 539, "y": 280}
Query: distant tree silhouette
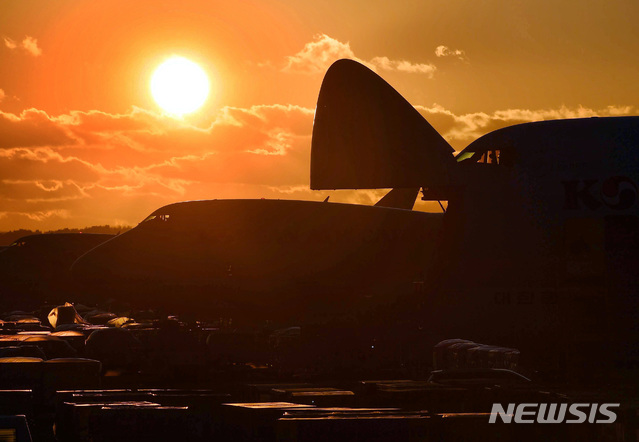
{"x": 6, "y": 238}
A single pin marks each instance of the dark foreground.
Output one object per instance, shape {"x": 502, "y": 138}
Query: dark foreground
{"x": 98, "y": 376}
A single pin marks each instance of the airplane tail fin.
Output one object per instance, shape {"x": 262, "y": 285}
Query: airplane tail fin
{"x": 367, "y": 136}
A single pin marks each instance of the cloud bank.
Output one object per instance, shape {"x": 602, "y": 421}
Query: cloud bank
{"x": 95, "y": 168}
{"x": 461, "y": 130}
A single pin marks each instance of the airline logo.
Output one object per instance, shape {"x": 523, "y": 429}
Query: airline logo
{"x": 577, "y": 413}
{"x": 617, "y": 193}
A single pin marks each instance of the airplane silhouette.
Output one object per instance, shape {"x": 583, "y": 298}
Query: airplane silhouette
{"x": 35, "y": 268}
{"x": 274, "y": 259}
{"x": 539, "y": 246}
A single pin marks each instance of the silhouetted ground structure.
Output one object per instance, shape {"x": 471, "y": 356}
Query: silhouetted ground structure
{"x": 11, "y": 236}
{"x": 160, "y": 378}
{"x": 35, "y": 268}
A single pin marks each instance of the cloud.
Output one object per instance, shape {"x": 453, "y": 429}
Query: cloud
{"x": 403, "y": 66}
{"x": 28, "y": 44}
{"x": 10, "y": 43}
{"x": 32, "y": 127}
{"x": 45, "y": 164}
{"x": 318, "y": 55}
{"x": 40, "y": 191}
{"x": 38, "y": 216}
{"x": 2, "y": 95}
{"x": 444, "y": 51}
{"x": 460, "y": 130}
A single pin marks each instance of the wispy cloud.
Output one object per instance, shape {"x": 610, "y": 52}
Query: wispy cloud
{"x": 10, "y": 43}
{"x": 28, "y": 44}
{"x": 445, "y": 51}
{"x": 460, "y": 130}
{"x": 403, "y": 66}
{"x": 38, "y": 216}
{"x": 318, "y": 55}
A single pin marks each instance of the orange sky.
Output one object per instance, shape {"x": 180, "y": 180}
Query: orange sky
{"x": 82, "y": 141}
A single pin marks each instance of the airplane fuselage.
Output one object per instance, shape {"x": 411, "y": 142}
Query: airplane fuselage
{"x": 276, "y": 255}
{"x": 544, "y": 242}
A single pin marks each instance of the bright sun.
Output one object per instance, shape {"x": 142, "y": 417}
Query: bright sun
{"x": 179, "y": 86}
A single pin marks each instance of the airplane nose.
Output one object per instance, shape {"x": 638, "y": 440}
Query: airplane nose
{"x": 84, "y": 268}
{"x": 92, "y": 267}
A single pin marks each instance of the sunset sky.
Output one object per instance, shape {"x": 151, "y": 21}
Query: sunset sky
{"x": 83, "y": 142}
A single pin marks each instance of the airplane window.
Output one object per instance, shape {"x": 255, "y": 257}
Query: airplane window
{"x": 486, "y": 157}
{"x": 490, "y": 157}
{"x": 156, "y": 218}
{"x": 464, "y": 156}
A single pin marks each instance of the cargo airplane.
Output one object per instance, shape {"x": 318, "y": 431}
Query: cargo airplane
{"x": 35, "y": 268}
{"x": 539, "y": 246}
{"x": 273, "y": 259}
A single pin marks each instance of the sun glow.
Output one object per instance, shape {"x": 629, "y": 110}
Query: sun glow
{"x": 179, "y": 86}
